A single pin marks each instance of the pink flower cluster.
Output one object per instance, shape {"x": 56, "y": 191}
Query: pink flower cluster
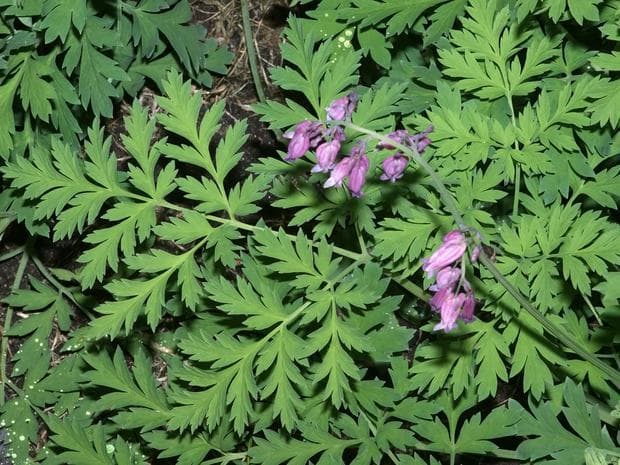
{"x": 395, "y": 165}
{"x": 327, "y": 142}
{"x": 454, "y": 297}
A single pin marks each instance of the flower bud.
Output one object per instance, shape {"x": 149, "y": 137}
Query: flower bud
{"x": 340, "y": 171}
{"x": 357, "y": 177}
{"x": 451, "y": 250}
{"x": 342, "y": 108}
{"x": 394, "y": 167}
{"x": 326, "y": 154}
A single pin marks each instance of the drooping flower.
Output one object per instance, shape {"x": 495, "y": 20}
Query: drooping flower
{"x": 469, "y": 305}
{"x": 451, "y": 250}
{"x": 449, "y": 311}
{"x": 453, "y": 295}
{"x": 354, "y": 166}
{"x": 340, "y": 171}
{"x": 326, "y": 154}
{"x": 337, "y": 133}
{"x": 418, "y": 142}
{"x": 394, "y": 167}
{"x": 399, "y": 136}
{"x": 475, "y": 254}
{"x": 342, "y": 108}
{"x": 440, "y": 296}
{"x": 307, "y": 134}
{"x": 446, "y": 277}
{"x": 421, "y": 141}
{"x": 357, "y": 176}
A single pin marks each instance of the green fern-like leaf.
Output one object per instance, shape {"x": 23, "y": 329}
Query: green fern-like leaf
{"x": 138, "y": 401}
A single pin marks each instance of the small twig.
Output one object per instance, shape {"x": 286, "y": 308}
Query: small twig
{"x": 249, "y": 45}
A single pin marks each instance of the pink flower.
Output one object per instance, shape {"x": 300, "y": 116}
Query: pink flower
{"x": 475, "y": 254}
{"x": 449, "y": 311}
{"x": 451, "y": 250}
{"x": 357, "y": 176}
{"x": 342, "y": 108}
{"x": 399, "y": 136}
{"x": 469, "y": 305}
{"x": 340, "y": 171}
{"x": 355, "y": 167}
{"x": 306, "y": 134}
{"x": 446, "y": 277}
{"x": 440, "y": 296}
{"x": 326, "y": 154}
{"x": 418, "y": 142}
{"x": 421, "y": 140}
{"x": 394, "y": 167}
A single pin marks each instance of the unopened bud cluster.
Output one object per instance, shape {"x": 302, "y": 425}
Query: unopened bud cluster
{"x": 326, "y": 140}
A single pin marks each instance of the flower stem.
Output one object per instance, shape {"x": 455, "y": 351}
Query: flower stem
{"x": 515, "y": 202}
{"x": 556, "y": 331}
{"x": 250, "y": 227}
{"x": 517, "y": 193}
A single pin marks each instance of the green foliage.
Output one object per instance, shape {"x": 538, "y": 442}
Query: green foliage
{"x": 254, "y": 316}
{"x": 70, "y": 53}
{"x": 67, "y": 62}
{"x": 77, "y": 190}
{"x": 561, "y": 444}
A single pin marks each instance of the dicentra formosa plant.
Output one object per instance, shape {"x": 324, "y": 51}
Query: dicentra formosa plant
{"x": 453, "y": 296}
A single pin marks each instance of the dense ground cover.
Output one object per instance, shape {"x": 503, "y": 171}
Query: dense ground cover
{"x": 411, "y": 258}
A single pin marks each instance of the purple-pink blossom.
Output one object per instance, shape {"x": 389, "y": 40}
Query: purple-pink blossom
{"x": 357, "y": 176}
{"x": 475, "y": 254}
{"x": 307, "y": 134}
{"x": 449, "y": 311}
{"x": 394, "y": 167}
{"x": 453, "y": 295}
{"x": 326, "y": 154}
{"x": 355, "y": 166}
{"x": 446, "y": 277}
{"x": 469, "y": 305}
{"x": 417, "y": 142}
{"x": 438, "y": 298}
{"x": 340, "y": 171}
{"x": 342, "y": 108}
{"x": 452, "y": 249}
{"x": 399, "y": 136}
{"x": 421, "y": 140}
